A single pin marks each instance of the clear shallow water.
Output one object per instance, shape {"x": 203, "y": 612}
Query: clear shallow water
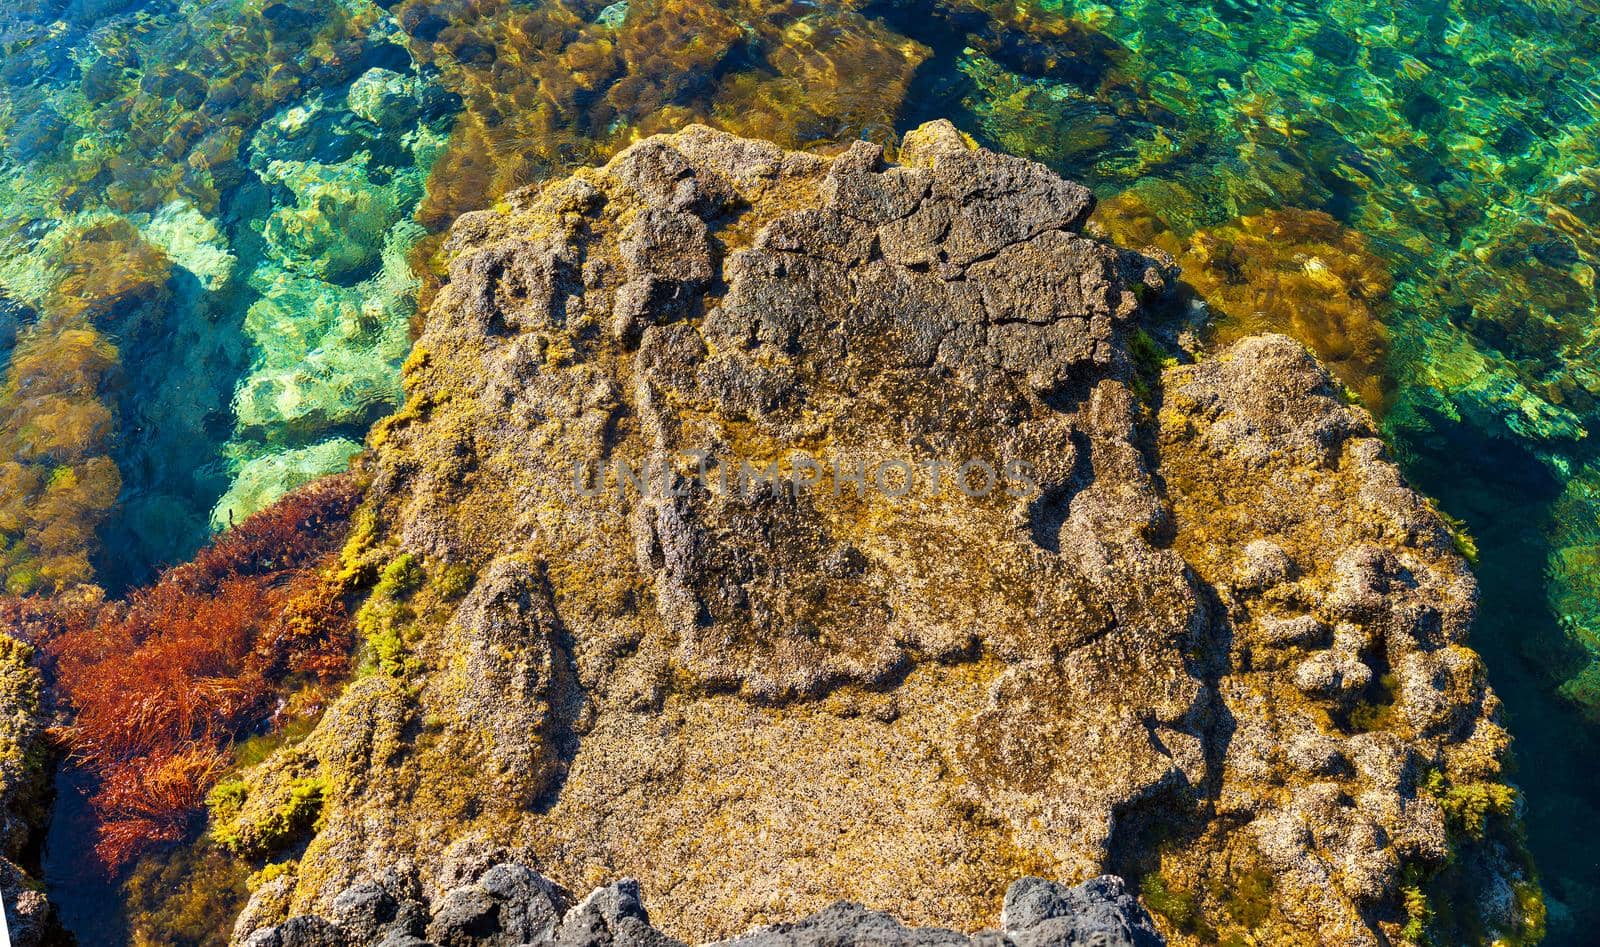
{"x": 217, "y": 221}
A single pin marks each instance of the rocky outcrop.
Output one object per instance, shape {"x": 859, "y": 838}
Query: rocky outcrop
{"x": 24, "y": 794}
{"x": 777, "y": 529}
{"x": 510, "y": 905}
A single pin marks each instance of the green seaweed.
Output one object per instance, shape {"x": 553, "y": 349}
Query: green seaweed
{"x": 384, "y": 621}
{"x": 246, "y": 836}
{"x": 1172, "y": 903}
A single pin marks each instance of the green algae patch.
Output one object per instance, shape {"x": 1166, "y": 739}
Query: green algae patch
{"x": 454, "y": 580}
{"x": 1166, "y": 899}
{"x": 385, "y": 621}
{"x": 1376, "y": 711}
{"x": 1419, "y": 912}
{"x": 1149, "y": 359}
{"x": 1469, "y": 806}
{"x": 255, "y": 831}
{"x": 1483, "y": 819}
{"x": 269, "y": 873}
{"x": 1247, "y": 897}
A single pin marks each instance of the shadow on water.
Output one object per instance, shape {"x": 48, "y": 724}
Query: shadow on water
{"x": 1503, "y": 495}
{"x": 175, "y": 418}
{"x": 88, "y": 903}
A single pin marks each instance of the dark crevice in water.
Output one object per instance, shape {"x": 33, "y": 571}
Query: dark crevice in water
{"x": 174, "y": 410}
{"x": 1503, "y": 495}
{"x": 87, "y": 902}
{"x": 937, "y": 89}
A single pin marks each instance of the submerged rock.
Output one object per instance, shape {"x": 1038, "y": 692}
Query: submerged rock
{"x": 778, "y": 529}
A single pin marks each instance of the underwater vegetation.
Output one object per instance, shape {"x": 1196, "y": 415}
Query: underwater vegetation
{"x": 1574, "y": 579}
{"x": 288, "y": 159}
{"x": 1293, "y": 271}
{"x": 161, "y": 684}
{"x": 57, "y": 406}
{"x": 256, "y": 151}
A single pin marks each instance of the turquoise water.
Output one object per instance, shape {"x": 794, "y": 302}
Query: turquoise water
{"x": 218, "y": 220}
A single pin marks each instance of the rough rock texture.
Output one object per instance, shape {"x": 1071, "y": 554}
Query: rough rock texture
{"x": 1185, "y": 625}
{"x": 510, "y": 905}
{"x": 24, "y": 790}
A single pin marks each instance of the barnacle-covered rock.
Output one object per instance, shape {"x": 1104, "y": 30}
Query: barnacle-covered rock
{"x": 777, "y": 528}
{"x": 1348, "y": 672}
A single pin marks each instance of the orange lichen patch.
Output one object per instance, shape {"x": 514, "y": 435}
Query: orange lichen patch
{"x": 1299, "y": 272}
{"x": 162, "y": 683}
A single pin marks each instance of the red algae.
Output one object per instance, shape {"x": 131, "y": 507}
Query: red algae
{"x": 161, "y": 683}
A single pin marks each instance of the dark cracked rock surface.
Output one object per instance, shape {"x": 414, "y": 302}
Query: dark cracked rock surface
{"x": 1180, "y": 623}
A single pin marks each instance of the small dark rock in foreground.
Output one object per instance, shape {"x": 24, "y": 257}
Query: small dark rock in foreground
{"x": 511, "y": 905}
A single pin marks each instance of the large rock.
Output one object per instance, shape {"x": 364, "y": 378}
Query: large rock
{"x": 1183, "y": 624}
